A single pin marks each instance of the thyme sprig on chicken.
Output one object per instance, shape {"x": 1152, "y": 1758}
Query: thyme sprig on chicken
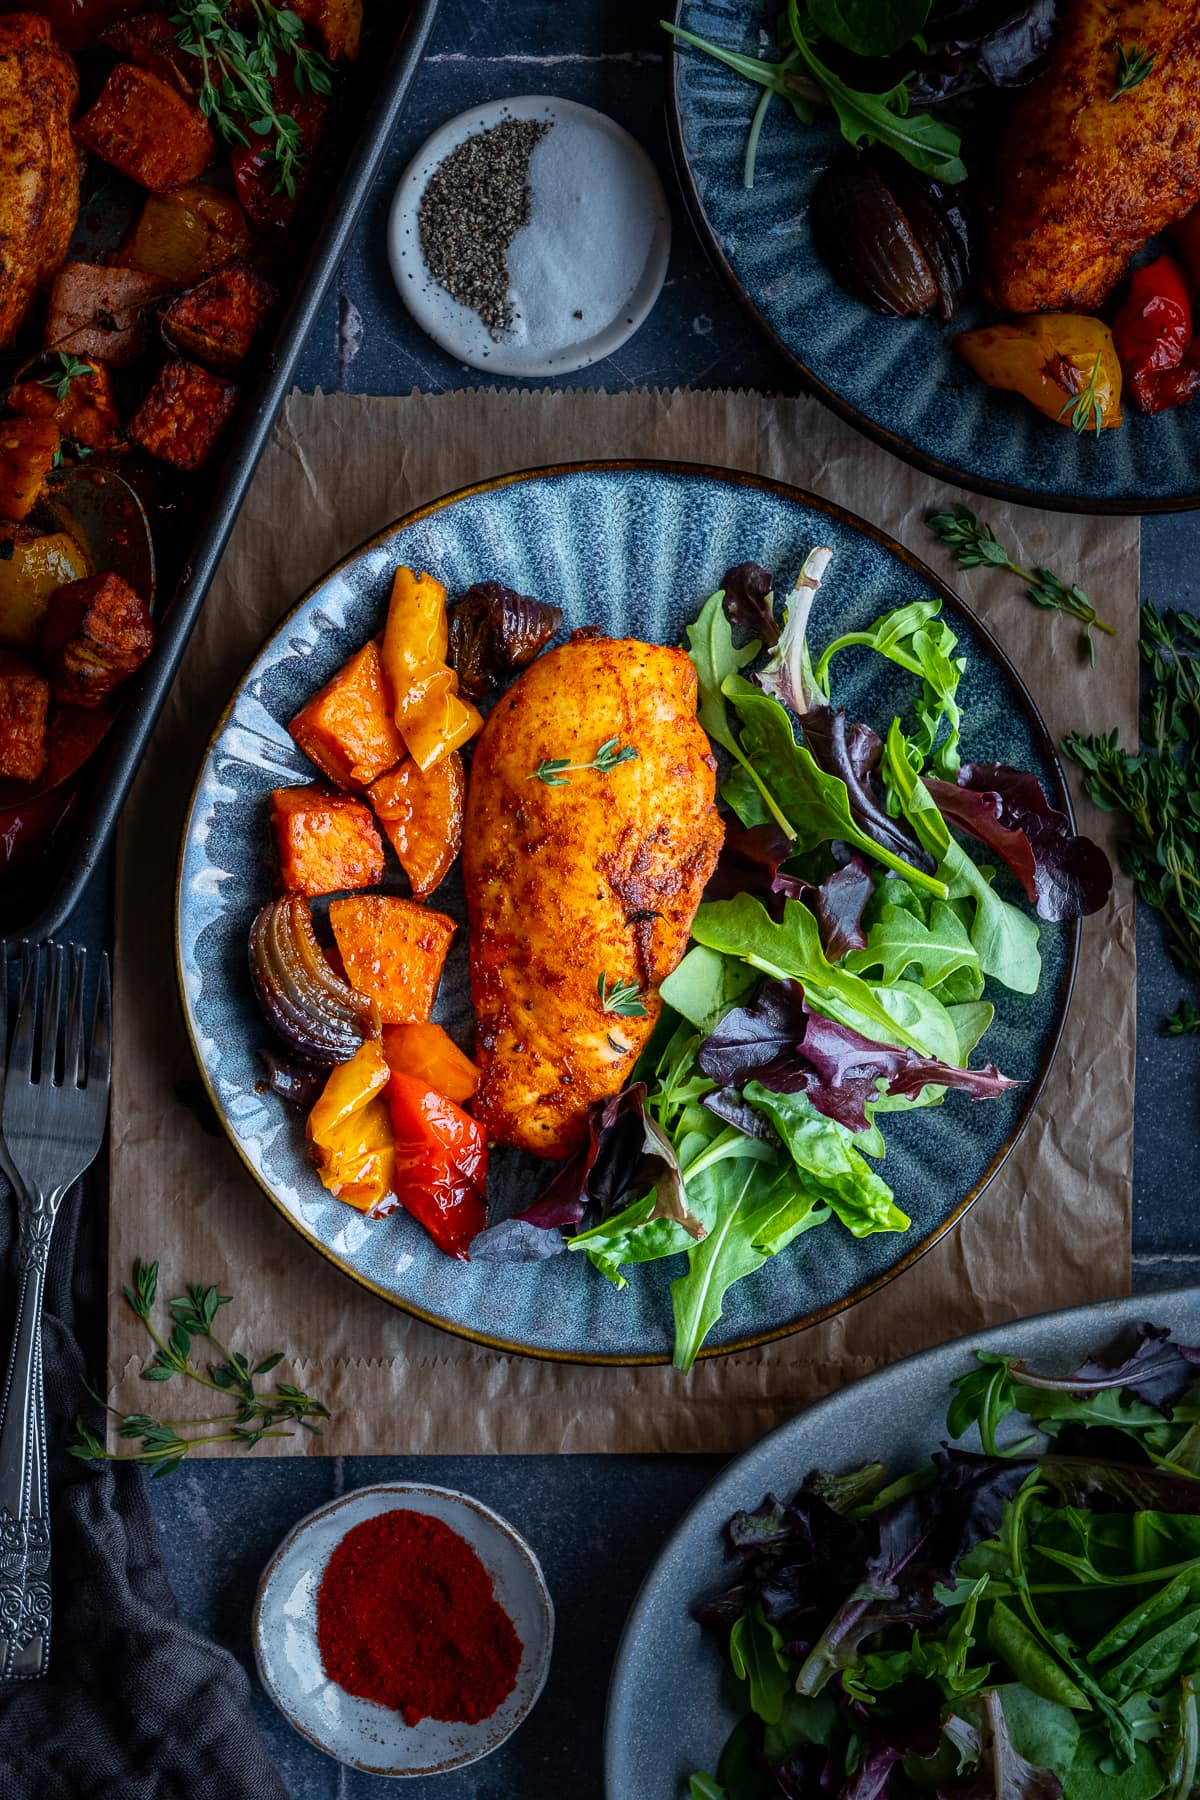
{"x": 1133, "y": 66}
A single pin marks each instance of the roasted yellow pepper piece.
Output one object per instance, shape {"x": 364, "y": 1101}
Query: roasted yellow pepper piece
{"x": 1063, "y": 363}
{"x": 431, "y": 715}
{"x": 350, "y": 1130}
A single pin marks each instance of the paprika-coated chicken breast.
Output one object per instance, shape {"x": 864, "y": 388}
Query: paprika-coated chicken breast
{"x": 39, "y": 163}
{"x": 1084, "y": 179}
{"x": 594, "y": 875}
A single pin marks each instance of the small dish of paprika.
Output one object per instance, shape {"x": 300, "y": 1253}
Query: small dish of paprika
{"x": 405, "y": 1630}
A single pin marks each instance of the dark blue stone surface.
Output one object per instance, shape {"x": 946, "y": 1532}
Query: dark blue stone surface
{"x": 596, "y": 1522}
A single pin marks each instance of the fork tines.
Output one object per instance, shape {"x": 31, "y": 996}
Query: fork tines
{"x": 51, "y": 1039}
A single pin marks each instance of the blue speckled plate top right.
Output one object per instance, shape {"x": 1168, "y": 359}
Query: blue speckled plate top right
{"x": 899, "y": 379}
{"x": 635, "y": 550}
{"x": 672, "y": 1700}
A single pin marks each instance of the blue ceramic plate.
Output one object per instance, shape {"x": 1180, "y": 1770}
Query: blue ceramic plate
{"x": 670, "y": 1704}
{"x": 635, "y": 549}
{"x": 898, "y": 380}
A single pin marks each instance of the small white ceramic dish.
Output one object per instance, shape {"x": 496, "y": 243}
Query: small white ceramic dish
{"x": 587, "y": 268}
{"x": 358, "y": 1732}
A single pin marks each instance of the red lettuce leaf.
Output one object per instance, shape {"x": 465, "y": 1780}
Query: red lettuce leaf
{"x": 748, "y": 590}
{"x": 749, "y": 860}
{"x": 1154, "y": 1367}
{"x": 625, "y": 1151}
{"x": 851, "y": 755}
{"x": 1003, "y": 1773}
{"x": 838, "y": 903}
{"x": 777, "y": 1041}
{"x": 1065, "y": 875}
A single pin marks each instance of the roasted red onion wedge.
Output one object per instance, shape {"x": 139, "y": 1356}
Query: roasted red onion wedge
{"x": 309, "y": 1008}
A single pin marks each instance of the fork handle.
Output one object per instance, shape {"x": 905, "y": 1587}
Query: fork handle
{"x": 24, "y": 1513}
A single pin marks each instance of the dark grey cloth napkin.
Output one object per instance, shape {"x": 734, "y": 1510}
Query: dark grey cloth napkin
{"x": 137, "y": 1705}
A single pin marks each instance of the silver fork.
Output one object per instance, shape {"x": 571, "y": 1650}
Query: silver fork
{"x": 55, "y": 1106}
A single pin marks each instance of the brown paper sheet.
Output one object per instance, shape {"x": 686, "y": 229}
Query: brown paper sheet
{"x": 1052, "y": 1230}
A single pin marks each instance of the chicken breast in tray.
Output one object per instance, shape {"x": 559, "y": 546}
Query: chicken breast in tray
{"x": 39, "y": 163}
{"x": 583, "y": 867}
{"x": 1086, "y": 175}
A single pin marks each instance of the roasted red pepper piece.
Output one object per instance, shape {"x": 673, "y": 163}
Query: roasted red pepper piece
{"x": 441, "y": 1163}
{"x": 1153, "y": 331}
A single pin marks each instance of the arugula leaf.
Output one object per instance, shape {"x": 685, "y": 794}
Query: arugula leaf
{"x": 1006, "y": 940}
{"x": 792, "y": 947}
{"x": 898, "y": 942}
{"x": 869, "y": 27}
{"x": 755, "y": 1650}
{"x": 717, "y": 661}
{"x": 824, "y": 1153}
{"x": 817, "y": 804}
{"x": 926, "y": 142}
{"x": 971, "y": 1021}
{"x": 915, "y": 638}
{"x": 745, "y": 1230}
{"x": 703, "y": 1787}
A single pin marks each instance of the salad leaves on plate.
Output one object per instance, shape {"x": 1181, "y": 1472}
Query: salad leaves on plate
{"x": 1021, "y": 1623}
{"x": 839, "y": 970}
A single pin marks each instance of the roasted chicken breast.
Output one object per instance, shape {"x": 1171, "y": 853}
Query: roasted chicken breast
{"x": 1084, "y": 178}
{"x": 582, "y": 882}
{"x": 39, "y": 163}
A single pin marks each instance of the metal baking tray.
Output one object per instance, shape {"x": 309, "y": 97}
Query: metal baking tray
{"x": 36, "y": 899}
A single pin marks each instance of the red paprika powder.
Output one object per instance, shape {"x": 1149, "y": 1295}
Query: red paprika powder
{"x": 406, "y": 1616}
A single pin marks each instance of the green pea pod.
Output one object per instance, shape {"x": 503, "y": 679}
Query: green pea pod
{"x": 1030, "y": 1661}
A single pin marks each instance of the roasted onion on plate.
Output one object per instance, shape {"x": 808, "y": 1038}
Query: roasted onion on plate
{"x": 309, "y": 1007}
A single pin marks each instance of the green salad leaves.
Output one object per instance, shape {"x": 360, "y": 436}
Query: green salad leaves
{"x": 843, "y": 965}
{"x": 1020, "y": 1621}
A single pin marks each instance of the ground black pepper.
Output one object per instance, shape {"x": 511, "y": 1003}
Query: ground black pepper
{"x": 474, "y": 204}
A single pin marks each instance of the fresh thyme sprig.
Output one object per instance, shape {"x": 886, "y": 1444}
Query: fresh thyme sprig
{"x": 70, "y": 368}
{"x": 1133, "y": 66}
{"x": 1157, "y": 787}
{"x": 975, "y": 545}
{"x": 623, "y": 998}
{"x": 255, "y": 1416}
{"x": 238, "y": 69}
{"x": 555, "y": 769}
{"x": 1086, "y": 407}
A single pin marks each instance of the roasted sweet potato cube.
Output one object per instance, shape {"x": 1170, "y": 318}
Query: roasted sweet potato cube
{"x": 183, "y": 415}
{"x": 147, "y": 130}
{"x": 393, "y": 951}
{"x": 97, "y": 312}
{"x": 336, "y": 25}
{"x": 348, "y": 729}
{"x": 327, "y": 842}
{"x": 187, "y": 234}
{"x": 149, "y": 41}
{"x": 422, "y": 817}
{"x": 86, "y": 410}
{"x": 218, "y": 321}
{"x": 24, "y": 703}
{"x": 94, "y": 634}
{"x": 27, "y": 449}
